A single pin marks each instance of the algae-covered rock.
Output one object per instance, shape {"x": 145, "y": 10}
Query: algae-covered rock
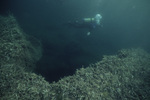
{"x": 120, "y": 77}
{"x": 17, "y": 84}
{"x": 124, "y": 76}
{"x": 18, "y": 55}
{"x": 15, "y": 46}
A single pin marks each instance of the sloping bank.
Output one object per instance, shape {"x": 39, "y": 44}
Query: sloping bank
{"x": 125, "y": 76}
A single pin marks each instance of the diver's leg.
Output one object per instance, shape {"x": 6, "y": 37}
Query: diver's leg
{"x": 76, "y": 24}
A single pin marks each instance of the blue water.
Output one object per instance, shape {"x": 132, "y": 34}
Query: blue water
{"x": 125, "y": 24}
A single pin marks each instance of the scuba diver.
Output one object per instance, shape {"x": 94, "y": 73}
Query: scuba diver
{"x": 89, "y": 23}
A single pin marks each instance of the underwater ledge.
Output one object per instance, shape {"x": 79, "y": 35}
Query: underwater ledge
{"x": 124, "y": 76}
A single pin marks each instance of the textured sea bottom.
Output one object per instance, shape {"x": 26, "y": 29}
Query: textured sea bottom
{"x": 124, "y": 76}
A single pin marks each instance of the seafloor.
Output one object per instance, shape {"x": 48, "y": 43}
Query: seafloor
{"x": 125, "y": 76}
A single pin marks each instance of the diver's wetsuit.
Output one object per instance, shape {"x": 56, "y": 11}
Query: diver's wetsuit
{"x": 82, "y": 24}
{"x": 88, "y": 23}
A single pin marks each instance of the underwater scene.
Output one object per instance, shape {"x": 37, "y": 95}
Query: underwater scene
{"x": 75, "y": 50}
